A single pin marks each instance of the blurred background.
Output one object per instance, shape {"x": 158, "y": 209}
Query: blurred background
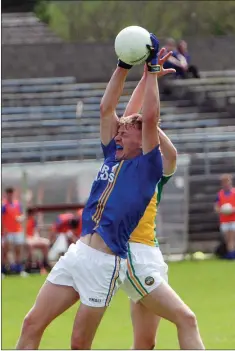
{"x": 57, "y": 57}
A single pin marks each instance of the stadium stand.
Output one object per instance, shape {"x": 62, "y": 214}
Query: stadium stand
{"x": 39, "y": 124}
{"x": 25, "y": 28}
{"x": 36, "y": 110}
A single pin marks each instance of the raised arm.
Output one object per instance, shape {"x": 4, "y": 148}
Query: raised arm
{"x": 109, "y": 119}
{"x": 150, "y": 114}
{"x": 169, "y": 153}
{"x": 151, "y": 102}
{"x": 136, "y": 101}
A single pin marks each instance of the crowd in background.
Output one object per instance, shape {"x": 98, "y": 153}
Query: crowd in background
{"x": 67, "y": 227}
{"x": 180, "y": 59}
{"x": 65, "y": 230}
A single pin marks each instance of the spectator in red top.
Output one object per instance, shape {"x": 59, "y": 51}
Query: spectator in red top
{"x": 225, "y": 207}
{"x": 35, "y": 242}
{"x": 60, "y": 226}
{"x": 65, "y": 231}
{"x": 12, "y": 218}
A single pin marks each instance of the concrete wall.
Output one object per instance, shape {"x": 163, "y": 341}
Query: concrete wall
{"x": 95, "y": 62}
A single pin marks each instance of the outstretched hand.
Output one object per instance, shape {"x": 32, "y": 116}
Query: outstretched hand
{"x": 161, "y": 60}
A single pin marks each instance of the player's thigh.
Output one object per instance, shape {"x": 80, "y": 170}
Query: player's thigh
{"x": 19, "y": 239}
{"x": 52, "y": 300}
{"x": 225, "y": 228}
{"x": 85, "y": 326}
{"x": 37, "y": 244}
{"x": 232, "y": 230}
{"x": 44, "y": 241}
{"x": 164, "y": 302}
{"x": 19, "y": 242}
{"x": 228, "y": 235}
{"x": 145, "y": 324}
{"x": 11, "y": 242}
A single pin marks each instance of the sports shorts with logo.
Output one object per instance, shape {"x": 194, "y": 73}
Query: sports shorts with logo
{"x": 227, "y": 227}
{"x": 146, "y": 270}
{"x": 95, "y": 275}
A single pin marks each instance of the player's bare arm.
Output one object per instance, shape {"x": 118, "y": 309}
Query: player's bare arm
{"x": 151, "y": 103}
{"x": 136, "y": 101}
{"x": 108, "y": 116}
{"x": 169, "y": 153}
{"x": 217, "y": 208}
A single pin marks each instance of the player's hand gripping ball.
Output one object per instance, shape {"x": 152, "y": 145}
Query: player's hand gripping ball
{"x": 152, "y": 59}
{"x": 131, "y": 45}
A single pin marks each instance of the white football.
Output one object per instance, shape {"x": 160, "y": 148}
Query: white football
{"x": 130, "y": 45}
{"x": 226, "y": 208}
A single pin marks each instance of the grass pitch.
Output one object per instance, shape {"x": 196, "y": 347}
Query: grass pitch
{"x": 208, "y": 287}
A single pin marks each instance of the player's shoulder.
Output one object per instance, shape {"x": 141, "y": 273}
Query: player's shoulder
{"x": 109, "y": 149}
{"x": 152, "y": 157}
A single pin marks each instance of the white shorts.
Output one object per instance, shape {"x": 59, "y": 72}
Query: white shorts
{"x": 227, "y": 227}
{"x": 15, "y": 238}
{"x": 95, "y": 275}
{"x": 146, "y": 270}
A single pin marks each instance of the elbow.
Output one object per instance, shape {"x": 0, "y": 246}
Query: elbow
{"x": 174, "y": 154}
{"x": 105, "y": 109}
{"x": 171, "y": 158}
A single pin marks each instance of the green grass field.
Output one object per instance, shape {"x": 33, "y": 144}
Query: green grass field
{"x": 208, "y": 287}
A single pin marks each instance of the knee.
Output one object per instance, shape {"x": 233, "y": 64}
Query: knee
{"x": 32, "y": 325}
{"x": 186, "y": 318}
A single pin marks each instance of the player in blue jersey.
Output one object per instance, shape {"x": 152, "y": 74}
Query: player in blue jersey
{"x": 94, "y": 267}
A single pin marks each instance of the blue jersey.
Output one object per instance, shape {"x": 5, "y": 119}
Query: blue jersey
{"x": 120, "y": 195}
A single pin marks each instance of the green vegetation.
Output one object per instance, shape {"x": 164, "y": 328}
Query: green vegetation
{"x": 102, "y": 20}
{"x": 206, "y": 286}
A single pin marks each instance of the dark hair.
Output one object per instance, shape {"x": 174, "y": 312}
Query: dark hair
{"x": 30, "y": 212}
{"x": 9, "y": 190}
{"x": 179, "y": 45}
{"x": 73, "y": 223}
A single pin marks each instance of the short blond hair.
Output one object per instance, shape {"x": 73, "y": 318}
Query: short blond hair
{"x": 133, "y": 120}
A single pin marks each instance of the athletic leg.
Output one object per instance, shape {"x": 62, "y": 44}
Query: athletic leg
{"x": 164, "y": 302}
{"x": 85, "y": 326}
{"x": 18, "y": 253}
{"x": 97, "y": 281}
{"x": 43, "y": 246}
{"x": 230, "y": 244}
{"x": 19, "y": 249}
{"x": 233, "y": 240}
{"x": 51, "y": 301}
{"x": 4, "y": 256}
{"x": 145, "y": 324}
